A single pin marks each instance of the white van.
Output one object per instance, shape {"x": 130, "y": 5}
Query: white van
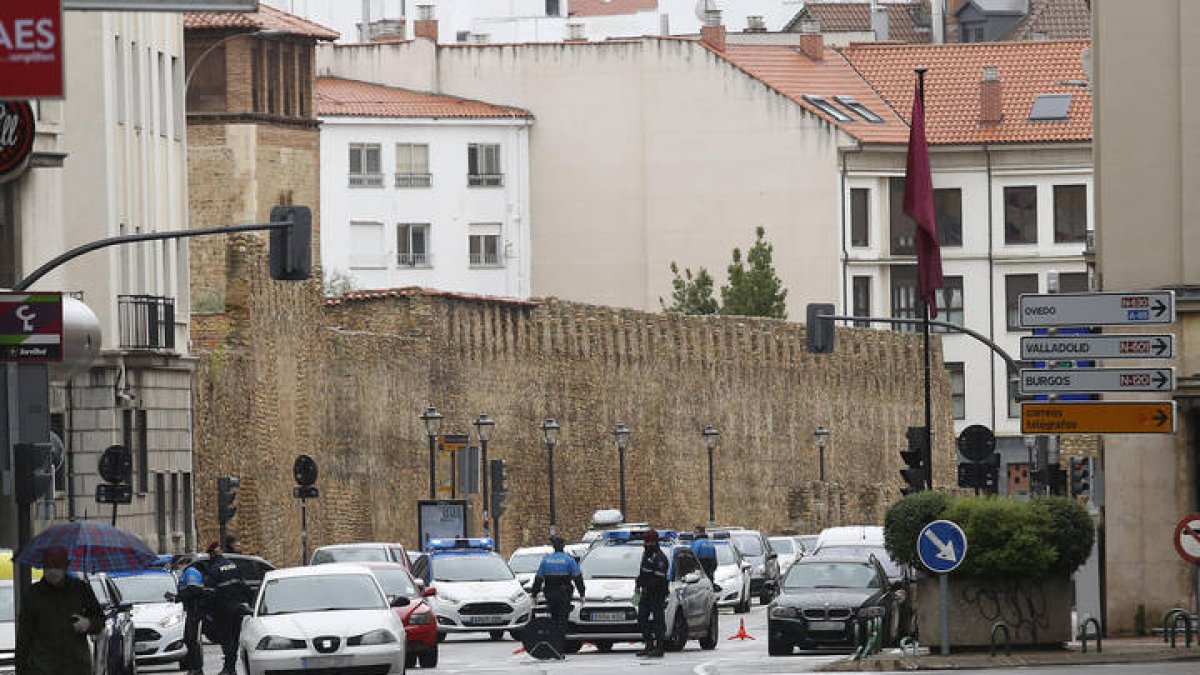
{"x": 851, "y": 535}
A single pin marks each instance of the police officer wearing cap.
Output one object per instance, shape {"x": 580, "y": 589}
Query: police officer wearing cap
{"x": 651, "y": 587}
{"x": 556, "y": 573}
{"x": 230, "y": 595}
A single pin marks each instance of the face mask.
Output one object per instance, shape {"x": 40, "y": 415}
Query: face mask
{"x": 55, "y": 576}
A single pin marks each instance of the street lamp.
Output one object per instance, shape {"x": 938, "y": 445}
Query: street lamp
{"x": 710, "y": 435}
{"x": 269, "y": 32}
{"x": 483, "y": 429}
{"x": 550, "y": 433}
{"x": 621, "y": 434}
{"x": 433, "y": 426}
{"x": 821, "y": 435}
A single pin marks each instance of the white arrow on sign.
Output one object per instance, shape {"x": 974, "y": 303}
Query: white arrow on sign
{"x": 1057, "y": 347}
{"x": 945, "y": 551}
{"x": 1096, "y": 309}
{"x": 1038, "y": 381}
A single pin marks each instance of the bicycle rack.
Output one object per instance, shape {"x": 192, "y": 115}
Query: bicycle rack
{"x": 1171, "y": 626}
{"x": 1007, "y": 638}
{"x": 866, "y": 638}
{"x": 1083, "y": 634}
{"x": 909, "y": 641}
{"x": 1166, "y": 618}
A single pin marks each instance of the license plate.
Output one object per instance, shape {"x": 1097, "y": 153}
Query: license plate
{"x": 324, "y": 661}
{"x": 826, "y": 625}
{"x": 608, "y": 616}
{"x": 144, "y": 646}
{"x": 486, "y": 620}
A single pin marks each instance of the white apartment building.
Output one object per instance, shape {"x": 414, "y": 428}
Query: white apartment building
{"x": 423, "y": 190}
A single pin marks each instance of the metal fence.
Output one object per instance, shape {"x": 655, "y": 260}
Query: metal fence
{"x": 146, "y": 321}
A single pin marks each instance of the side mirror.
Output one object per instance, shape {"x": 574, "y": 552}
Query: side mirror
{"x": 744, "y": 565}
{"x": 125, "y": 607}
{"x": 428, "y": 592}
{"x": 772, "y": 555}
{"x": 398, "y": 601}
{"x": 691, "y": 577}
{"x": 170, "y": 597}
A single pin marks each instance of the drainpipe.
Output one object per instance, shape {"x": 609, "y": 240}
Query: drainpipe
{"x": 991, "y": 257}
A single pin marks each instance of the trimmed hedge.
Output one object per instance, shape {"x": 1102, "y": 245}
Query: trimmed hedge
{"x": 1031, "y": 539}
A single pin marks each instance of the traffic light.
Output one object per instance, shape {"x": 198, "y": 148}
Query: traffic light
{"x": 916, "y": 473}
{"x": 225, "y": 496}
{"x": 991, "y": 474}
{"x": 968, "y": 474}
{"x": 291, "y": 247}
{"x": 818, "y": 333}
{"x": 498, "y": 472}
{"x": 1058, "y": 480}
{"x": 1081, "y": 477}
{"x": 34, "y": 472}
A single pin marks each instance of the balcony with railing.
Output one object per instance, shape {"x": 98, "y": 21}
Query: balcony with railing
{"x": 146, "y": 321}
{"x": 486, "y": 260}
{"x": 414, "y": 260}
{"x": 414, "y": 180}
{"x": 369, "y": 180}
{"x": 485, "y": 180}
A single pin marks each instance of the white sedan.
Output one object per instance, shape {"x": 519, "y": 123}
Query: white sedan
{"x": 326, "y": 617}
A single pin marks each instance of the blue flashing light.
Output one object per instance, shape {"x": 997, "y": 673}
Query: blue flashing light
{"x": 714, "y": 536}
{"x": 473, "y": 544}
{"x": 625, "y": 536}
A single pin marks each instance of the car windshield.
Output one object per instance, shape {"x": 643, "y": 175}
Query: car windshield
{"x": 143, "y": 589}
{"x": 612, "y": 562}
{"x": 6, "y": 602}
{"x": 320, "y": 593}
{"x": 526, "y": 562}
{"x": 831, "y": 575}
{"x": 395, "y": 581}
{"x": 726, "y": 555}
{"x": 809, "y": 542}
{"x": 890, "y": 567}
{"x": 748, "y": 544}
{"x": 783, "y": 545}
{"x": 350, "y": 554}
{"x": 472, "y": 567}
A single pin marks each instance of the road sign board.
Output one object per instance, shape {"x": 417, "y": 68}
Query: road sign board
{"x": 164, "y": 5}
{"x": 1036, "y": 381}
{"x": 114, "y": 493}
{"x": 454, "y": 442}
{"x": 942, "y": 546}
{"x": 31, "y": 49}
{"x": 1054, "y": 347}
{"x": 1098, "y": 417}
{"x": 1187, "y": 538}
{"x": 1096, "y": 309}
{"x": 31, "y": 327}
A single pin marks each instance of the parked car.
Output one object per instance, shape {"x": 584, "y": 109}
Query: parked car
{"x": 808, "y": 542}
{"x": 850, "y": 535}
{"x": 788, "y": 551}
{"x": 113, "y": 651}
{"x": 361, "y": 552}
{"x": 476, "y": 590}
{"x": 607, "y": 614}
{"x": 158, "y": 619}
{"x": 764, "y": 562}
{"x": 733, "y": 576}
{"x": 821, "y": 600}
{"x": 323, "y": 618}
{"x": 524, "y": 563}
{"x": 252, "y": 567}
{"x": 420, "y": 622}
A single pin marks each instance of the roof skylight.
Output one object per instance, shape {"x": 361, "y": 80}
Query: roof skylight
{"x": 827, "y": 107}
{"x": 862, "y": 110}
{"x": 1050, "y": 107}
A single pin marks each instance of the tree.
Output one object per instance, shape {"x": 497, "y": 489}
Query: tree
{"x": 691, "y": 295}
{"x": 757, "y": 290}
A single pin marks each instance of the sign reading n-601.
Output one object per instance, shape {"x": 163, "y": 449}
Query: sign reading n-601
{"x": 1097, "y": 309}
{"x": 1098, "y": 417}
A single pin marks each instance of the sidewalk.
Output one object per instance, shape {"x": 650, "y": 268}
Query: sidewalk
{"x": 1116, "y": 650}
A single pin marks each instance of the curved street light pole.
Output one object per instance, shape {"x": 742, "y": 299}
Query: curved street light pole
{"x": 710, "y": 435}
{"x": 433, "y": 426}
{"x": 550, "y": 429}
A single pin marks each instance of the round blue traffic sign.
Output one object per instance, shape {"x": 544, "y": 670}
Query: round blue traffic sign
{"x": 942, "y": 546}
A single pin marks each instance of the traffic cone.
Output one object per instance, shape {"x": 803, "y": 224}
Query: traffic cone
{"x": 519, "y": 650}
{"x": 741, "y": 633}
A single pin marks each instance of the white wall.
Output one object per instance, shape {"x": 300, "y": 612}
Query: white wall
{"x": 449, "y": 205}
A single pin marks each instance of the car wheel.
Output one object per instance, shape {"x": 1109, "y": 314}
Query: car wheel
{"x": 516, "y": 635}
{"x": 679, "y": 634}
{"x": 496, "y": 634}
{"x": 605, "y": 646}
{"x": 742, "y": 606}
{"x": 410, "y": 660}
{"x": 777, "y": 647}
{"x": 765, "y": 597}
{"x": 709, "y": 641}
{"x": 442, "y": 637}
{"x": 572, "y": 646}
{"x": 429, "y": 657}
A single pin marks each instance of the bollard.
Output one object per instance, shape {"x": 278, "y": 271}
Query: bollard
{"x": 1171, "y": 626}
{"x": 1166, "y": 621}
{"x": 909, "y": 641}
{"x": 1007, "y": 638}
{"x": 1083, "y": 634}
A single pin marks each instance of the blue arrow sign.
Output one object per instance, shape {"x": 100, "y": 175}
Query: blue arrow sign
{"x": 942, "y": 546}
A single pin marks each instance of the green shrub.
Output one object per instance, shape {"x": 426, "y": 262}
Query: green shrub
{"x": 1006, "y": 538}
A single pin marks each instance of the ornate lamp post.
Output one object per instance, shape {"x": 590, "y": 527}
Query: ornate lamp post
{"x": 710, "y": 435}
{"x": 433, "y": 426}
{"x": 621, "y": 434}
{"x": 821, "y": 436}
{"x": 483, "y": 429}
{"x": 550, "y": 432}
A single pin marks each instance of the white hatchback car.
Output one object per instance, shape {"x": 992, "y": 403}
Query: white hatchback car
{"x": 476, "y": 590}
{"x": 325, "y": 618}
{"x": 157, "y": 620}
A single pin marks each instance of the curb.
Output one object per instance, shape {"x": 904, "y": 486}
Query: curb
{"x": 984, "y": 661}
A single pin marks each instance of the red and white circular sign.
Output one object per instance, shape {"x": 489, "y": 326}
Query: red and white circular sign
{"x": 17, "y": 130}
{"x": 1187, "y": 538}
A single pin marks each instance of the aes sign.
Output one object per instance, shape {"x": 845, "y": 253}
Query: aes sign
{"x": 31, "y": 53}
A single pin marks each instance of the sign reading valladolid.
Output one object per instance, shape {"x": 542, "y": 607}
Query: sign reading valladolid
{"x": 31, "y": 54}
{"x": 165, "y": 5}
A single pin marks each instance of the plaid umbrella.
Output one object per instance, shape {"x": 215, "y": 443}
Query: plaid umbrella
{"x": 92, "y": 547}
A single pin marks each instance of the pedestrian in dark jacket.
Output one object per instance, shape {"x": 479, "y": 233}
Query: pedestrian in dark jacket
{"x": 705, "y": 552}
{"x": 556, "y": 573}
{"x": 57, "y": 615}
{"x": 192, "y": 594}
{"x": 651, "y": 587}
{"x": 230, "y": 596}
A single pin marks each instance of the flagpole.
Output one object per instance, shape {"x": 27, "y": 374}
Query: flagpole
{"x": 925, "y": 304}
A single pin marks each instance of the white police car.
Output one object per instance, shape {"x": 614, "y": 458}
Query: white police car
{"x": 732, "y": 575}
{"x": 607, "y": 615}
{"x": 476, "y": 590}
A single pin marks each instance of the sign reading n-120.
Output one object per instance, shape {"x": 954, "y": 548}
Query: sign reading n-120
{"x": 1056, "y": 347}
{"x": 1096, "y": 309}
{"x": 1038, "y": 381}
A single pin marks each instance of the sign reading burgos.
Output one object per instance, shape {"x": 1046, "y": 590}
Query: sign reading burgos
{"x": 31, "y": 54}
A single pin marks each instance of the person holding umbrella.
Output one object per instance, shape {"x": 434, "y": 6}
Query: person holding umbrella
{"x": 57, "y": 615}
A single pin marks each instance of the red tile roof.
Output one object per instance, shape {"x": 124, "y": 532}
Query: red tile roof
{"x": 609, "y": 7}
{"x": 953, "y": 81}
{"x": 362, "y": 99}
{"x": 266, "y": 18}
{"x": 1055, "y": 20}
{"x": 847, "y": 17}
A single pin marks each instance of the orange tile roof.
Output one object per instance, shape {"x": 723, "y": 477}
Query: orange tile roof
{"x": 266, "y": 18}
{"x": 844, "y": 17}
{"x": 609, "y": 7}
{"x": 953, "y": 81}
{"x": 1056, "y": 20}
{"x": 338, "y": 97}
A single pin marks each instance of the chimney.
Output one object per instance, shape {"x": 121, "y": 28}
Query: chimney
{"x": 425, "y": 26}
{"x": 991, "y": 97}
{"x": 755, "y": 24}
{"x": 879, "y": 21}
{"x": 812, "y": 43}
{"x": 712, "y": 33}
{"x": 575, "y": 32}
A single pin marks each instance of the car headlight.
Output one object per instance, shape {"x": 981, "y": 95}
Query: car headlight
{"x": 171, "y": 619}
{"x": 443, "y": 596}
{"x": 518, "y": 596}
{"x": 272, "y": 642}
{"x": 380, "y": 636}
{"x": 784, "y": 612}
{"x": 420, "y": 618}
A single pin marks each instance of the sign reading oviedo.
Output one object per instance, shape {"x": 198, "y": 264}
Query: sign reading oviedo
{"x": 1096, "y": 309}
{"x": 31, "y": 53}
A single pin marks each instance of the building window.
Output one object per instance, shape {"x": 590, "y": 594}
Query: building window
{"x": 1020, "y": 215}
{"x": 177, "y": 94}
{"x": 143, "y": 451}
{"x": 160, "y": 508}
{"x": 483, "y": 165}
{"x": 367, "y": 247}
{"x": 365, "y": 166}
{"x": 1014, "y": 286}
{"x": 552, "y": 8}
{"x": 273, "y": 78}
{"x": 947, "y": 205}
{"x": 861, "y": 294}
{"x": 174, "y": 521}
{"x": 860, "y": 224}
{"x": 903, "y": 229}
{"x": 484, "y": 245}
{"x": 256, "y": 78}
{"x": 135, "y": 80}
{"x": 412, "y": 165}
{"x": 305, "y": 58}
{"x": 164, "y": 94}
{"x": 289, "y": 80}
{"x": 906, "y": 296}
{"x": 206, "y": 89}
{"x": 949, "y": 300}
{"x": 1070, "y": 214}
{"x": 1073, "y": 282}
{"x": 186, "y": 496}
{"x": 412, "y": 245}
{"x": 958, "y": 389}
{"x": 119, "y": 80}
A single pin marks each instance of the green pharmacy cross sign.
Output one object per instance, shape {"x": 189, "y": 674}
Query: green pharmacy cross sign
{"x": 31, "y": 327}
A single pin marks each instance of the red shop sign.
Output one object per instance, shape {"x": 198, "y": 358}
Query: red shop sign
{"x": 16, "y": 138}
{"x": 31, "y": 51}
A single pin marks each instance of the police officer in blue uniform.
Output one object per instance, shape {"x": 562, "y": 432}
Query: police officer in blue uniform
{"x": 705, "y": 552}
{"x": 556, "y": 573}
{"x": 191, "y": 593}
{"x": 652, "y": 588}
{"x": 229, "y": 604}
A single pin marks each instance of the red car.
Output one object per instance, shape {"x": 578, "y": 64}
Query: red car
{"x": 420, "y": 623}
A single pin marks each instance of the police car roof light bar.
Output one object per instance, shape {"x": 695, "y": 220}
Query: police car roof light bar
{"x": 460, "y": 543}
